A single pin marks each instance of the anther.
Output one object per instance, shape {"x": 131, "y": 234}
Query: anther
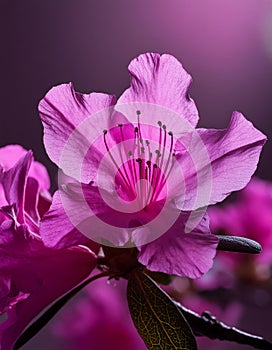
{"x": 158, "y": 153}
{"x": 170, "y": 133}
{"x": 130, "y": 153}
{"x": 159, "y": 123}
{"x": 138, "y": 112}
{"x": 142, "y": 149}
{"x": 164, "y": 127}
{"x": 120, "y": 125}
{"x": 136, "y": 129}
{"x": 105, "y": 132}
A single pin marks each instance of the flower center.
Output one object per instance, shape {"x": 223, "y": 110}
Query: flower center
{"x": 144, "y": 170}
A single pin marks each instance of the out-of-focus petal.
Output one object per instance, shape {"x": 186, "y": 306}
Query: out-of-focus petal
{"x": 42, "y": 278}
{"x": 101, "y": 311}
{"x": 14, "y": 184}
{"x": 9, "y": 155}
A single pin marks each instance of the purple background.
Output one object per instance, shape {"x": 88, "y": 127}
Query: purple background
{"x": 226, "y": 45}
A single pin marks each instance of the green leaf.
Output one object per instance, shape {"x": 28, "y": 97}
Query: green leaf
{"x": 157, "y": 319}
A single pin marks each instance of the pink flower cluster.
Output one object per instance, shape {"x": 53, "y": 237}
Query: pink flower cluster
{"x": 248, "y": 216}
{"x": 32, "y": 276}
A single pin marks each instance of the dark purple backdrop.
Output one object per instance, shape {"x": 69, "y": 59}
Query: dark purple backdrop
{"x": 226, "y": 46}
{"x": 223, "y": 44}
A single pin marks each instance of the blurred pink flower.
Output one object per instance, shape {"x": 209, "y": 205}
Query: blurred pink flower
{"x": 31, "y": 275}
{"x": 190, "y": 168}
{"x": 98, "y": 320}
{"x": 249, "y": 216}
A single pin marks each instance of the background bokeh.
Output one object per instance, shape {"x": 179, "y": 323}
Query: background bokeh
{"x": 226, "y": 45}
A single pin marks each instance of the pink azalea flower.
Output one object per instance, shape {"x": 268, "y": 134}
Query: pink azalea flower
{"x": 249, "y": 216}
{"x": 141, "y": 172}
{"x": 98, "y": 320}
{"x": 31, "y": 275}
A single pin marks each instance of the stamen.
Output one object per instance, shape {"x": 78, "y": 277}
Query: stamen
{"x": 158, "y": 156}
{"x": 131, "y": 168}
{"x": 113, "y": 160}
{"x": 153, "y": 183}
{"x": 148, "y": 148}
{"x": 139, "y": 125}
{"x": 134, "y": 171}
{"x": 172, "y": 165}
{"x": 162, "y": 182}
{"x": 169, "y": 172}
{"x": 148, "y": 163}
{"x": 164, "y": 145}
{"x": 170, "y": 133}
{"x": 160, "y": 138}
{"x": 138, "y": 160}
{"x": 122, "y": 159}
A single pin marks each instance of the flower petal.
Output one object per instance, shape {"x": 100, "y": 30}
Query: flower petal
{"x": 56, "y": 229}
{"x": 83, "y": 212}
{"x": 62, "y": 111}
{"x": 31, "y": 203}
{"x": 9, "y": 155}
{"x": 220, "y": 162}
{"x": 234, "y": 154}
{"x": 14, "y": 184}
{"x": 183, "y": 254}
{"x": 160, "y": 80}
